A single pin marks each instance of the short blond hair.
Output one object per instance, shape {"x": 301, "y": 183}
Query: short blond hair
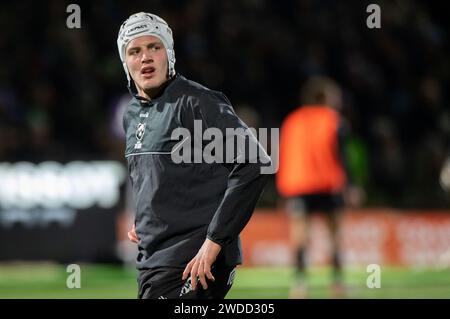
{"x": 315, "y": 89}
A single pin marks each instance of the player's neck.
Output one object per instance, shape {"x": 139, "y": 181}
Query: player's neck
{"x": 152, "y": 93}
{"x": 149, "y": 94}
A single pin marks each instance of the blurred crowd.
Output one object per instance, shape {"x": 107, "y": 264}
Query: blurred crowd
{"x": 61, "y": 89}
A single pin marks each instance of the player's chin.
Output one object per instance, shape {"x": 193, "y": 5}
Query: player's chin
{"x": 150, "y": 84}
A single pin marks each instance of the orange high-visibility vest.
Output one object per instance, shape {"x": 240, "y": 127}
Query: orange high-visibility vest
{"x": 309, "y": 155}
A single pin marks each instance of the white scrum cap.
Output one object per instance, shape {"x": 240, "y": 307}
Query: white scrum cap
{"x": 140, "y": 24}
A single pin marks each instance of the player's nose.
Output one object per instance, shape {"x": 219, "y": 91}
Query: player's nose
{"x": 146, "y": 56}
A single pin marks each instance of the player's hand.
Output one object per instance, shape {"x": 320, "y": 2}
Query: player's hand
{"x": 200, "y": 265}
{"x": 132, "y": 235}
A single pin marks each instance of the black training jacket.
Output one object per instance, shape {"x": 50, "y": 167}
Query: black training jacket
{"x": 179, "y": 205}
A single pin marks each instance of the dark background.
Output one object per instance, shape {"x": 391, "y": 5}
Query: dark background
{"x": 60, "y": 87}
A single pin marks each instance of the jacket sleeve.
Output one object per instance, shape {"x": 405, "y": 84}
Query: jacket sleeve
{"x": 245, "y": 180}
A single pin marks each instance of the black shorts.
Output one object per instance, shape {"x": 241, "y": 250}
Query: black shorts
{"x": 166, "y": 283}
{"x": 326, "y": 203}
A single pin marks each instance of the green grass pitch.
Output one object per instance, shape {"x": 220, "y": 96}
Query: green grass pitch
{"x": 39, "y": 280}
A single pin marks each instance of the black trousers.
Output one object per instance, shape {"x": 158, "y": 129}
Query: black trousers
{"x": 166, "y": 283}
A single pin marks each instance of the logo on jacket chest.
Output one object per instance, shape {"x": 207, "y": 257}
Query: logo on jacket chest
{"x": 140, "y": 130}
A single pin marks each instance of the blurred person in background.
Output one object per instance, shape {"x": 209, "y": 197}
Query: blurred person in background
{"x": 188, "y": 215}
{"x": 312, "y": 173}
